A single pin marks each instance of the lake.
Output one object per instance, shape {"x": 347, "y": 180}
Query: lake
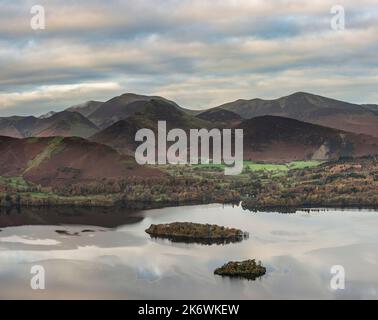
{"x": 115, "y": 259}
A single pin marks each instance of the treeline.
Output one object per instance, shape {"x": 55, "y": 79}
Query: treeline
{"x": 133, "y": 192}
{"x": 161, "y": 190}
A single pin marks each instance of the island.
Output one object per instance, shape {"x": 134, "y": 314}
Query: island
{"x": 196, "y": 233}
{"x": 248, "y": 269}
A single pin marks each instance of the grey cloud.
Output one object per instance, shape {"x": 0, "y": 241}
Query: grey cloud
{"x": 169, "y": 46}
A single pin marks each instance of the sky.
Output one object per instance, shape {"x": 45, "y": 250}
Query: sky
{"x": 199, "y": 53}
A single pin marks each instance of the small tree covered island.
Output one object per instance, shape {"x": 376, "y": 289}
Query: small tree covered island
{"x": 248, "y": 269}
{"x": 195, "y": 232}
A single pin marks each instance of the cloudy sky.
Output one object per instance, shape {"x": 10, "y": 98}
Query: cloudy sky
{"x": 200, "y": 53}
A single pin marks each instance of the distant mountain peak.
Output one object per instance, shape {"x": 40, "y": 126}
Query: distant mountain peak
{"x": 126, "y": 105}
{"x": 301, "y": 94}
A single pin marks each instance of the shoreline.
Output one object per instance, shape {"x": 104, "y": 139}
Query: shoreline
{"x": 112, "y": 217}
{"x": 317, "y": 207}
{"x": 161, "y": 205}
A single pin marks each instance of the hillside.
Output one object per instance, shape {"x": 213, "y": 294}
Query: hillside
{"x": 121, "y": 135}
{"x": 222, "y": 117}
{"x": 59, "y": 161}
{"x": 63, "y": 123}
{"x": 371, "y": 107}
{"x": 311, "y": 108}
{"x": 272, "y": 138}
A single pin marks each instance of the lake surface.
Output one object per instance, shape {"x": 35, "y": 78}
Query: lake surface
{"x": 117, "y": 260}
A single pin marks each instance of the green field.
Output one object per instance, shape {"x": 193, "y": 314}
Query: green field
{"x": 254, "y": 166}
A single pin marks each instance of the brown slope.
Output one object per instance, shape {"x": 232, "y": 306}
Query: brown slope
{"x": 272, "y": 138}
{"x": 16, "y": 153}
{"x": 59, "y": 161}
{"x": 311, "y": 108}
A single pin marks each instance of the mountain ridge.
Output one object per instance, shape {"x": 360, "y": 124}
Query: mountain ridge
{"x": 310, "y": 108}
{"x": 62, "y": 123}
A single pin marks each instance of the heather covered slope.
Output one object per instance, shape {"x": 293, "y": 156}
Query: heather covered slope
{"x": 311, "y": 108}
{"x": 278, "y": 139}
{"x": 59, "y": 161}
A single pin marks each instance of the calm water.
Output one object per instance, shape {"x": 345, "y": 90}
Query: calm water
{"x": 117, "y": 259}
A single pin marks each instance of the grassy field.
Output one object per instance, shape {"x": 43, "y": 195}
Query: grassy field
{"x": 254, "y": 166}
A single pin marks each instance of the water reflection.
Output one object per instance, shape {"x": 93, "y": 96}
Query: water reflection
{"x": 117, "y": 259}
{"x": 106, "y": 217}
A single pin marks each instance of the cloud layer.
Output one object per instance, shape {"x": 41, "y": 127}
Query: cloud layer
{"x": 199, "y": 53}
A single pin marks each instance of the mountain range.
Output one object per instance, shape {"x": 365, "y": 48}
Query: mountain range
{"x": 63, "y": 123}
{"x": 313, "y": 109}
{"x": 95, "y": 140}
